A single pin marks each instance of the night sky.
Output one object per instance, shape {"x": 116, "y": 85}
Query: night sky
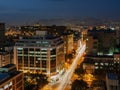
{"x": 18, "y": 11}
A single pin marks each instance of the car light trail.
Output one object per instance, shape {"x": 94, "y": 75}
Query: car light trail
{"x": 66, "y": 78}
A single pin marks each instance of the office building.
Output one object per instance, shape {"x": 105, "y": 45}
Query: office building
{"x": 40, "y": 54}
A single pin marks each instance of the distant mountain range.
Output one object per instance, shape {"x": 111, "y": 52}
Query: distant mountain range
{"x": 89, "y": 21}
{"x": 78, "y": 21}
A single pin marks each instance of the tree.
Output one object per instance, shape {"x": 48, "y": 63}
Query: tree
{"x": 41, "y": 79}
{"x": 36, "y": 81}
{"x": 79, "y": 71}
{"x": 98, "y": 83}
{"x": 79, "y": 85}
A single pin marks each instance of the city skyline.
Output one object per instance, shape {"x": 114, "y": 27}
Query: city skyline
{"x": 24, "y": 11}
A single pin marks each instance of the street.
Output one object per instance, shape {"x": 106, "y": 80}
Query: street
{"x": 66, "y": 78}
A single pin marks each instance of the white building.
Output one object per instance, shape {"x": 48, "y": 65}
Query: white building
{"x": 40, "y": 55}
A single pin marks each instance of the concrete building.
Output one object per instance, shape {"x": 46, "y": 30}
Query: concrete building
{"x": 10, "y": 78}
{"x": 101, "y": 42}
{"x": 116, "y": 57}
{"x": 77, "y": 37}
{"x": 92, "y": 45}
{"x": 104, "y": 63}
{"x": 118, "y": 35}
{"x": 77, "y": 44}
{"x": 4, "y": 58}
{"x": 40, "y": 55}
{"x": 68, "y": 41}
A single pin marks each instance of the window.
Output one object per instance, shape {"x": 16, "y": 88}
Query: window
{"x": 53, "y": 51}
{"x": 95, "y": 47}
{"x": 94, "y": 42}
{"x": 25, "y": 50}
{"x": 31, "y": 61}
{"x": 44, "y": 64}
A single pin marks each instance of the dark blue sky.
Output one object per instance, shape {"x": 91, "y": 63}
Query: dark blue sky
{"x": 32, "y": 10}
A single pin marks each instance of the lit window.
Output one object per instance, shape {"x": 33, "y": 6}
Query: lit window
{"x": 6, "y": 86}
{"x": 10, "y": 84}
{"x": 115, "y": 62}
{"x": 106, "y": 64}
{"x": 19, "y": 48}
{"x": 43, "y": 49}
{"x": 101, "y": 64}
{"x": 36, "y": 61}
{"x": 96, "y": 63}
{"x": 96, "y": 67}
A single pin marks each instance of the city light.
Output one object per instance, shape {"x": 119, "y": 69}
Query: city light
{"x": 66, "y": 78}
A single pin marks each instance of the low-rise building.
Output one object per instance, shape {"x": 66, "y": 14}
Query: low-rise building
{"x": 104, "y": 63}
{"x": 10, "y": 78}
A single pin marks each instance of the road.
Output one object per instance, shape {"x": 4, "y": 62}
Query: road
{"x": 64, "y": 81}
{"x": 67, "y": 76}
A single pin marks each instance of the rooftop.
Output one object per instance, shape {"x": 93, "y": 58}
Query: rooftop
{"x": 3, "y": 76}
{"x": 8, "y": 66}
{"x": 48, "y": 37}
{"x": 3, "y": 52}
{"x": 38, "y": 41}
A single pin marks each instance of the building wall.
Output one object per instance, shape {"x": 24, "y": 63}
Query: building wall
{"x": 106, "y": 40}
{"x": 77, "y": 44}
{"x": 60, "y": 58}
{"x": 91, "y": 45}
{"x": 4, "y": 59}
{"x": 39, "y": 59}
{"x": 118, "y": 36}
{"x": 117, "y": 57}
{"x": 68, "y": 41}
